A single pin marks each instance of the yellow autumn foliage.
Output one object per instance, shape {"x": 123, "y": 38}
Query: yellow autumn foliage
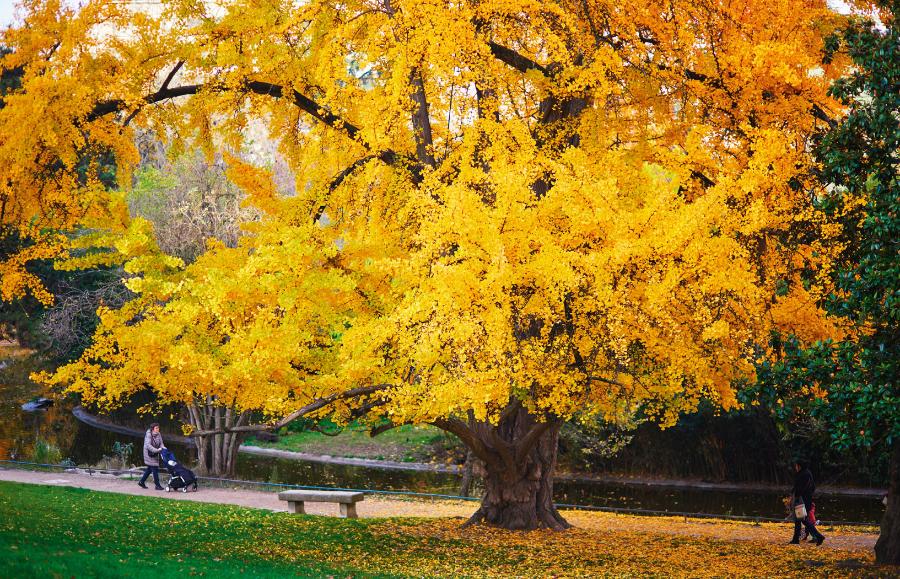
{"x": 583, "y": 206}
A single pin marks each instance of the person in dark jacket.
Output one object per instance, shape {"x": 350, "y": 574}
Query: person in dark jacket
{"x": 153, "y": 445}
{"x": 804, "y": 487}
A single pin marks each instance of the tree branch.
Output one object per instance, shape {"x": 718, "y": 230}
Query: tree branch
{"x": 309, "y": 408}
{"x": 465, "y": 434}
{"x": 421, "y": 121}
{"x": 820, "y": 114}
{"x": 607, "y": 381}
{"x": 104, "y": 108}
{"x": 384, "y": 428}
{"x": 503, "y": 448}
{"x": 516, "y": 60}
{"x": 366, "y": 408}
{"x": 300, "y": 100}
{"x": 705, "y": 181}
{"x": 308, "y": 105}
{"x": 172, "y": 74}
{"x": 532, "y": 437}
{"x": 258, "y": 87}
{"x": 339, "y": 178}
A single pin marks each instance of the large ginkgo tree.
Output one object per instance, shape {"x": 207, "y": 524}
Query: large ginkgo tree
{"x": 507, "y": 214}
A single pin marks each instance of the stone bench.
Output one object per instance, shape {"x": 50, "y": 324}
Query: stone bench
{"x": 347, "y": 500}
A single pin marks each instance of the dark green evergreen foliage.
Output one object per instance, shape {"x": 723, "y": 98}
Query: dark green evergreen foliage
{"x": 859, "y": 156}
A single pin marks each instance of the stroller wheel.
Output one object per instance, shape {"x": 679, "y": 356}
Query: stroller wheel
{"x": 168, "y": 489}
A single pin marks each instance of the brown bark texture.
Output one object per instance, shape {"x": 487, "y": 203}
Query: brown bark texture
{"x": 217, "y": 453}
{"x": 465, "y": 486}
{"x": 887, "y": 549}
{"x": 519, "y": 458}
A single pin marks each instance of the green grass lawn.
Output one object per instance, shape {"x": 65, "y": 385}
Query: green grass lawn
{"x": 407, "y": 443}
{"x": 65, "y": 532}
{"x": 48, "y": 531}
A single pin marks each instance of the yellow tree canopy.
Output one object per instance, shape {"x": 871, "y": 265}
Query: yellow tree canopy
{"x": 507, "y": 213}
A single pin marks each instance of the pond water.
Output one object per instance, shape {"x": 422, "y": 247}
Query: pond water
{"x": 54, "y": 435}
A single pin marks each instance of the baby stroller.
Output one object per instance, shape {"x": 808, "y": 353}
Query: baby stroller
{"x": 180, "y": 477}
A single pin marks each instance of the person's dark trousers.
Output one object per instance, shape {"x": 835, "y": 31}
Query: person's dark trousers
{"x": 810, "y": 528}
{"x": 155, "y": 471}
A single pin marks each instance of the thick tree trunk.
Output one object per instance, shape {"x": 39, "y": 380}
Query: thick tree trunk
{"x": 887, "y": 549}
{"x": 518, "y": 479}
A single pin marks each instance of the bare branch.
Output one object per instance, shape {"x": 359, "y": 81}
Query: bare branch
{"x": 172, "y": 74}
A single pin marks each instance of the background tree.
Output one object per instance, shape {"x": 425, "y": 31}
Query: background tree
{"x": 852, "y": 384}
{"x": 65, "y": 329}
{"x": 514, "y": 215}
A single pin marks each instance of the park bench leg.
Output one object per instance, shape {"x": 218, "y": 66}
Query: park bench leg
{"x": 348, "y": 510}
{"x": 296, "y": 507}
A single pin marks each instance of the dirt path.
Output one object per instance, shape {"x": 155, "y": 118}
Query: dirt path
{"x": 372, "y": 506}
{"x": 846, "y": 538}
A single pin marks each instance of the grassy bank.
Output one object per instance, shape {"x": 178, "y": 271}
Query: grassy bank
{"x": 407, "y": 443}
{"x": 51, "y": 531}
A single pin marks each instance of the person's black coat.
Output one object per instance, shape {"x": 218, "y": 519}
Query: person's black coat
{"x": 804, "y": 487}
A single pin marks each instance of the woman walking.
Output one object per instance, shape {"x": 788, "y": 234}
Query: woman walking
{"x": 804, "y": 487}
{"x": 153, "y": 444}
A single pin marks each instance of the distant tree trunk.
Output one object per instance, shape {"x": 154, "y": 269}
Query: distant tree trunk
{"x": 887, "y": 549}
{"x": 519, "y": 456}
{"x": 216, "y": 454}
{"x": 465, "y": 486}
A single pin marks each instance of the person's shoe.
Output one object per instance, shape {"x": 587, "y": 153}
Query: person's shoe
{"x": 142, "y": 485}
{"x": 158, "y": 488}
{"x": 820, "y": 540}
{"x": 794, "y": 542}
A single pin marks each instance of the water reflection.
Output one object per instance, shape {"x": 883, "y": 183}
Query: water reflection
{"x": 285, "y": 471}
{"x": 743, "y": 503}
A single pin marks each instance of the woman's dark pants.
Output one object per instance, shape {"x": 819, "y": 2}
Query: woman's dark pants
{"x": 810, "y": 528}
{"x": 155, "y": 471}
